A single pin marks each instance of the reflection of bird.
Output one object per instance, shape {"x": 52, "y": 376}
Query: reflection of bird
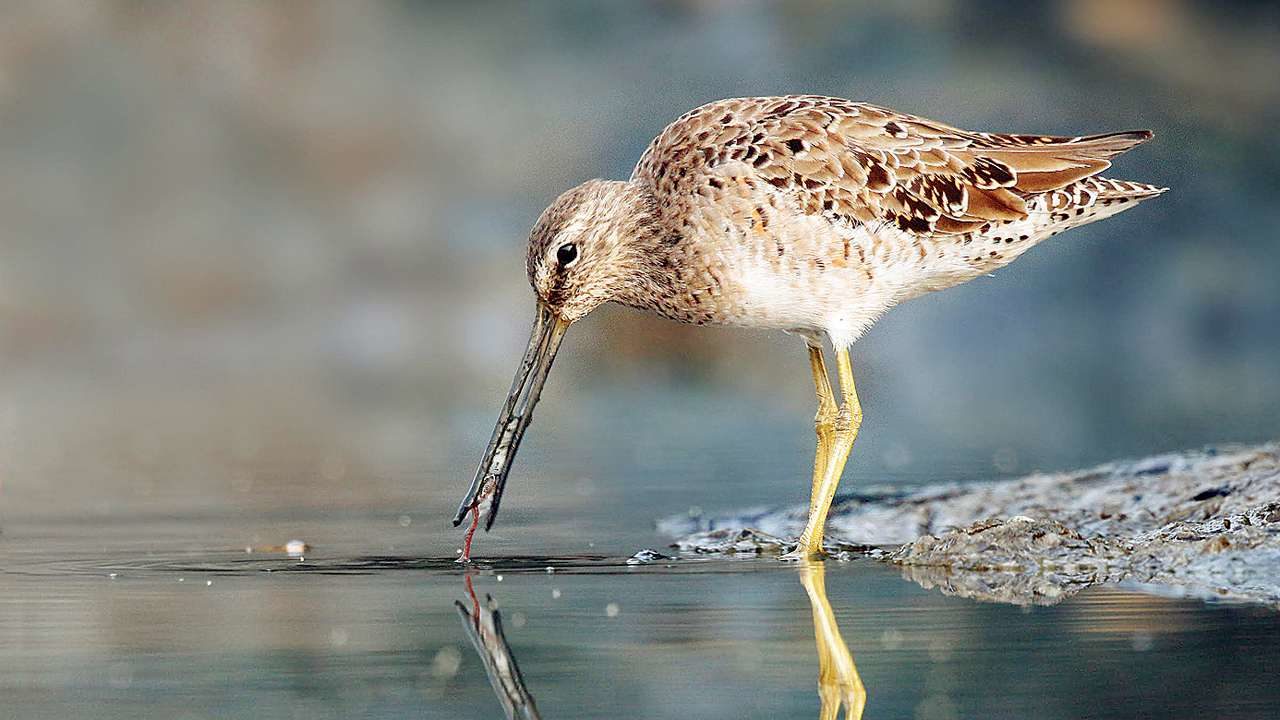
{"x": 838, "y": 682}
{"x": 484, "y": 627}
{"x": 808, "y": 214}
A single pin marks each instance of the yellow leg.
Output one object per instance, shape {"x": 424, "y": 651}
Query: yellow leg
{"x": 824, "y": 422}
{"x": 839, "y": 684}
{"x": 835, "y": 440}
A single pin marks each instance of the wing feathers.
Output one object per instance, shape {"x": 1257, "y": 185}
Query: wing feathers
{"x": 864, "y": 163}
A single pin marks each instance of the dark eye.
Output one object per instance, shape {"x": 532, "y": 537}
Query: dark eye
{"x": 567, "y": 254}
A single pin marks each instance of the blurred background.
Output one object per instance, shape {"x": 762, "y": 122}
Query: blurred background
{"x": 270, "y": 255}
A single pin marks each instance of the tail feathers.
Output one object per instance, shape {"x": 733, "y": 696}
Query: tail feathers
{"x": 1109, "y": 145}
{"x": 1098, "y": 147}
{"x": 1109, "y": 188}
{"x": 1091, "y": 199}
{"x": 1044, "y": 164}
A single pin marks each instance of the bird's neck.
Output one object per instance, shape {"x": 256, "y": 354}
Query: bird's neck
{"x": 651, "y": 278}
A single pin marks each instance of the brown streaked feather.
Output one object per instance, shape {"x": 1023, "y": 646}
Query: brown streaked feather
{"x": 862, "y": 163}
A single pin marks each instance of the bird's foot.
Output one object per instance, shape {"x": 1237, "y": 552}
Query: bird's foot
{"x": 803, "y": 552}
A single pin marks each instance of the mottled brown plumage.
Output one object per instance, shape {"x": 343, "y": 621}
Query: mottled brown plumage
{"x": 858, "y": 163}
{"x": 816, "y": 214}
{"x": 808, "y": 214}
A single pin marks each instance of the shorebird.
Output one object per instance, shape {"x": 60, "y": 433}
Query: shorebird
{"x": 808, "y": 214}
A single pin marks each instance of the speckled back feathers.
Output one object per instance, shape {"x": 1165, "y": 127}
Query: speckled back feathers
{"x": 818, "y": 214}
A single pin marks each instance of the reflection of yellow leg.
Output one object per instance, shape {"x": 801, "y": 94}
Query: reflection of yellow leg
{"x": 837, "y": 429}
{"x": 838, "y": 682}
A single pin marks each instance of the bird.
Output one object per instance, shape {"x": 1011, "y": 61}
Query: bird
{"x": 808, "y": 214}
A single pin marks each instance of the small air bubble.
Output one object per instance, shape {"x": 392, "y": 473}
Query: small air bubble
{"x": 446, "y": 662}
{"x": 612, "y": 610}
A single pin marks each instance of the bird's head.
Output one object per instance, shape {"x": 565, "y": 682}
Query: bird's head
{"x": 581, "y": 248}
{"x": 583, "y": 251}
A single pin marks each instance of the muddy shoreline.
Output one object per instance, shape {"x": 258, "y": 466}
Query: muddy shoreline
{"x": 1204, "y": 523}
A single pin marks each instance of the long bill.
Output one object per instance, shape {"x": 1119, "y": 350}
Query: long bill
{"x": 517, "y": 413}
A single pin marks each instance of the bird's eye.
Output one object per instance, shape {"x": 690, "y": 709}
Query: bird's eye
{"x": 567, "y": 254}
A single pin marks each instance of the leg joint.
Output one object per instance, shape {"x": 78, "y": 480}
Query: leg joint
{"x": 826, "y": 416}
{"x": 848, "y": 420}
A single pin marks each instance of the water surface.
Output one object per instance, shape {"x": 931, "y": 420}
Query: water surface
{"x": 172, "y": 617}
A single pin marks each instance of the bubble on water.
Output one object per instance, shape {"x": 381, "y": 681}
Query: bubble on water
{"x": 113, "y": 576}
{"x": 612, "y": 610}
{"x": 405, "y": 521}
{"x": 338, "y": 637}
{"x": 550, "y": 569}
{"x": 208, "y": 583}
{"x": 499, "y": 578}
{"x": 182, "y": 579}
{"x": 891, "y": 639}
{"x": 446, "y": 662}
{"x": 555, "y": 593}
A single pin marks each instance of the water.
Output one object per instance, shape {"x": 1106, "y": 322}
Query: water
{"x": 167, "y": 615}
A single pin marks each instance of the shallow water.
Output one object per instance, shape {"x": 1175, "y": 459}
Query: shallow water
{"x": 171, "y": 617}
